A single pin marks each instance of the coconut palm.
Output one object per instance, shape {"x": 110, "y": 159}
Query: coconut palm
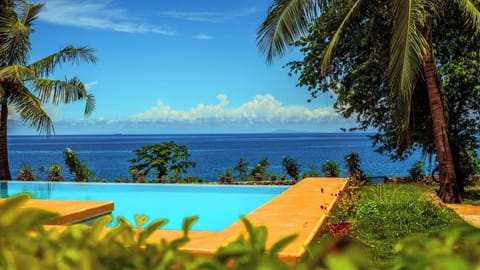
{"x": 411, "y": 58}
{"x": 24, "y": 87}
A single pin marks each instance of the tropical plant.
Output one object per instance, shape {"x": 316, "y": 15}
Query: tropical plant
{"x": 54, "y": 173}
{"x": 291, "y": 167}
{"x": 312, "y": 171}
{"x": 162, "y": 158}
{"x": 352, "y": 162}
{"x": 76, "y": 166}
{"x": 258, "y": 172}
{"x": 417, "y": 172}
{"x": 331, "y": 168}
{"x": 411, "y": 59}
{"x": 241, "y": 168}
{"x": 25, "y": 173}
{"x": 25, "y": 87}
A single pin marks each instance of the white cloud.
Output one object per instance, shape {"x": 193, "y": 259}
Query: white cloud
{"x": 202, "y": 37}
{"x": 262, "y": 109}
{"x": 98, "y": 15}
{"x": 206, "y": 16}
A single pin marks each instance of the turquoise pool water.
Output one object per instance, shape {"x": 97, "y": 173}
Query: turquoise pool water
{"x": 217, "y": 206}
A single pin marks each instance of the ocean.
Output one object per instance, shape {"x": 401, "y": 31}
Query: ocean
{"x": 108, "y": 155}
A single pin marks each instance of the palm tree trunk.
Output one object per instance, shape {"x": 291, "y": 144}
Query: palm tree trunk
{"x": 448, "y": 184}
{"x": 4, "y": 167}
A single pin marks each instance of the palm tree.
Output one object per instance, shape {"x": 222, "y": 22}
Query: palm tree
{"x": 25, "y": 87}
{"x": 412, "y": 59}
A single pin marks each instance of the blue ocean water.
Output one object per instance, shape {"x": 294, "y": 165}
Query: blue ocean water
{"x": 108, "y": 155}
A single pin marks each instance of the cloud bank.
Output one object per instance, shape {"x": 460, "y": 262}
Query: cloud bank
{"x": 262, "y": 109}
{"x": 99, "y": 14}
{"x": 263, "y": 113}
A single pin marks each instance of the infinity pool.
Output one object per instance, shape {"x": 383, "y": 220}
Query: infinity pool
{"x": 217, "y": 206}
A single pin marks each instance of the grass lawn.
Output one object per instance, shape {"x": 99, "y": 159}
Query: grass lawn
{"x": 388, "y": 213}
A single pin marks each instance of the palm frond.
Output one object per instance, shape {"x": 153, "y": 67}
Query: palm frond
{"x": 14, "y": 40}
{"x": 64, "y": 92}
{"x": 286, "y": 21}
{"x": 471, "y": 12}
{"x": 327, "y": 56}
{"x": 406, "y": 52}
{"x": 90, "y": 104}
{"x": 45, "y": 66}
{"x": 30, "y": 109}
{"x": 59, "y": 92}
{"x": 29, "y": 13}
{"x": 16, "y": 73}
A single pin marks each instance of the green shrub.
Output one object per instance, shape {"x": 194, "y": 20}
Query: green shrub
{"x": 291, "y": 167}
{"x": 331, "y": 169}
{"x": 354, "y": 171}
{"x": 76, "y": 166}
{"x": 417, "y": 172}
{"x": 25, "y": 244}
{"x": 25, "y": 173}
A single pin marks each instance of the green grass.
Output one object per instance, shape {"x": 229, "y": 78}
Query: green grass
{"x": 472, "y": 195}
{"x": 388, "y": 213}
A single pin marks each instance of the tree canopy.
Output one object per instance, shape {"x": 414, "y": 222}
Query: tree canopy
{"x": 361, "y": 89}
{"x": 25, "y": 87}
{"x": 162, "y": 158}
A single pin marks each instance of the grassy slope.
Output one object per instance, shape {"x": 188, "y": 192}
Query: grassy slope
{"x": 388, "y": 213}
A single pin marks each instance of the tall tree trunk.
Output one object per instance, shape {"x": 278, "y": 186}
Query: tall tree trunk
{"x": 448, "y": 184}
{"x": 4, "y": 167}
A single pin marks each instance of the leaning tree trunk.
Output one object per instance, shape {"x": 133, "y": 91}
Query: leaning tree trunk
{"x": 448, "y": 184}
{"x": 4, "y": 167}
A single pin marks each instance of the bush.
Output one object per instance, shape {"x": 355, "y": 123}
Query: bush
{"x": 417, "y": 172}
{"x": 26, "y": 173}
{"x": 354, "y": 171}
{"x": 331, "y": 169}
{"x": 54, "y": 173}
{"x": 27, "y": 245}
{"x": 291, "y": 167}
{"x": 76, "y": 166}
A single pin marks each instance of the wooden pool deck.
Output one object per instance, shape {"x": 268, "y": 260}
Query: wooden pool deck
{"x": 71, "y": 211}
{"x": 295, "y": 211}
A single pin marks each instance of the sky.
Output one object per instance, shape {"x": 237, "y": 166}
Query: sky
{"x": 184, "y": 66}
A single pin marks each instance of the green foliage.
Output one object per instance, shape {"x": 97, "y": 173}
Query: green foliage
{"x": 26, "y": 244}
{"x": 472, "y": 195}
{"x": 387, "y": 213}
{"x": 54, "y": 173}
{"x": 164, "y": 158}
{"x": 251, "y": 252}
{"x": 242, "y": 168}
{"x": 331, "y": 168}
{"x": 76, "y": 166}
{"x": 352, "y": 161}
{"x": 417, "y": 172}
{"x": 454, "y": 249}
{"x": 25, "y": 173}
{"x": 312, "y": 171}
{"x": 291, "y": 167}
{"x": 358, "y": 79}
{"x": 258, "y": 172}
{"x": 26, "y": 87}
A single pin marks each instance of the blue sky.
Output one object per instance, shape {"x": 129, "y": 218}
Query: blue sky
{"x": 184, "y": 66}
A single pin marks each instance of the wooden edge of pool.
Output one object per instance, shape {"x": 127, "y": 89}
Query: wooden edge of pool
{"x": 294, "y": 211}
{"x": 71, "y": 211}
{"x": 297, "y": 210}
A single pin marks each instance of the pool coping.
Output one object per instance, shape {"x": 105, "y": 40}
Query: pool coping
{"x": 294, "y": 211}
